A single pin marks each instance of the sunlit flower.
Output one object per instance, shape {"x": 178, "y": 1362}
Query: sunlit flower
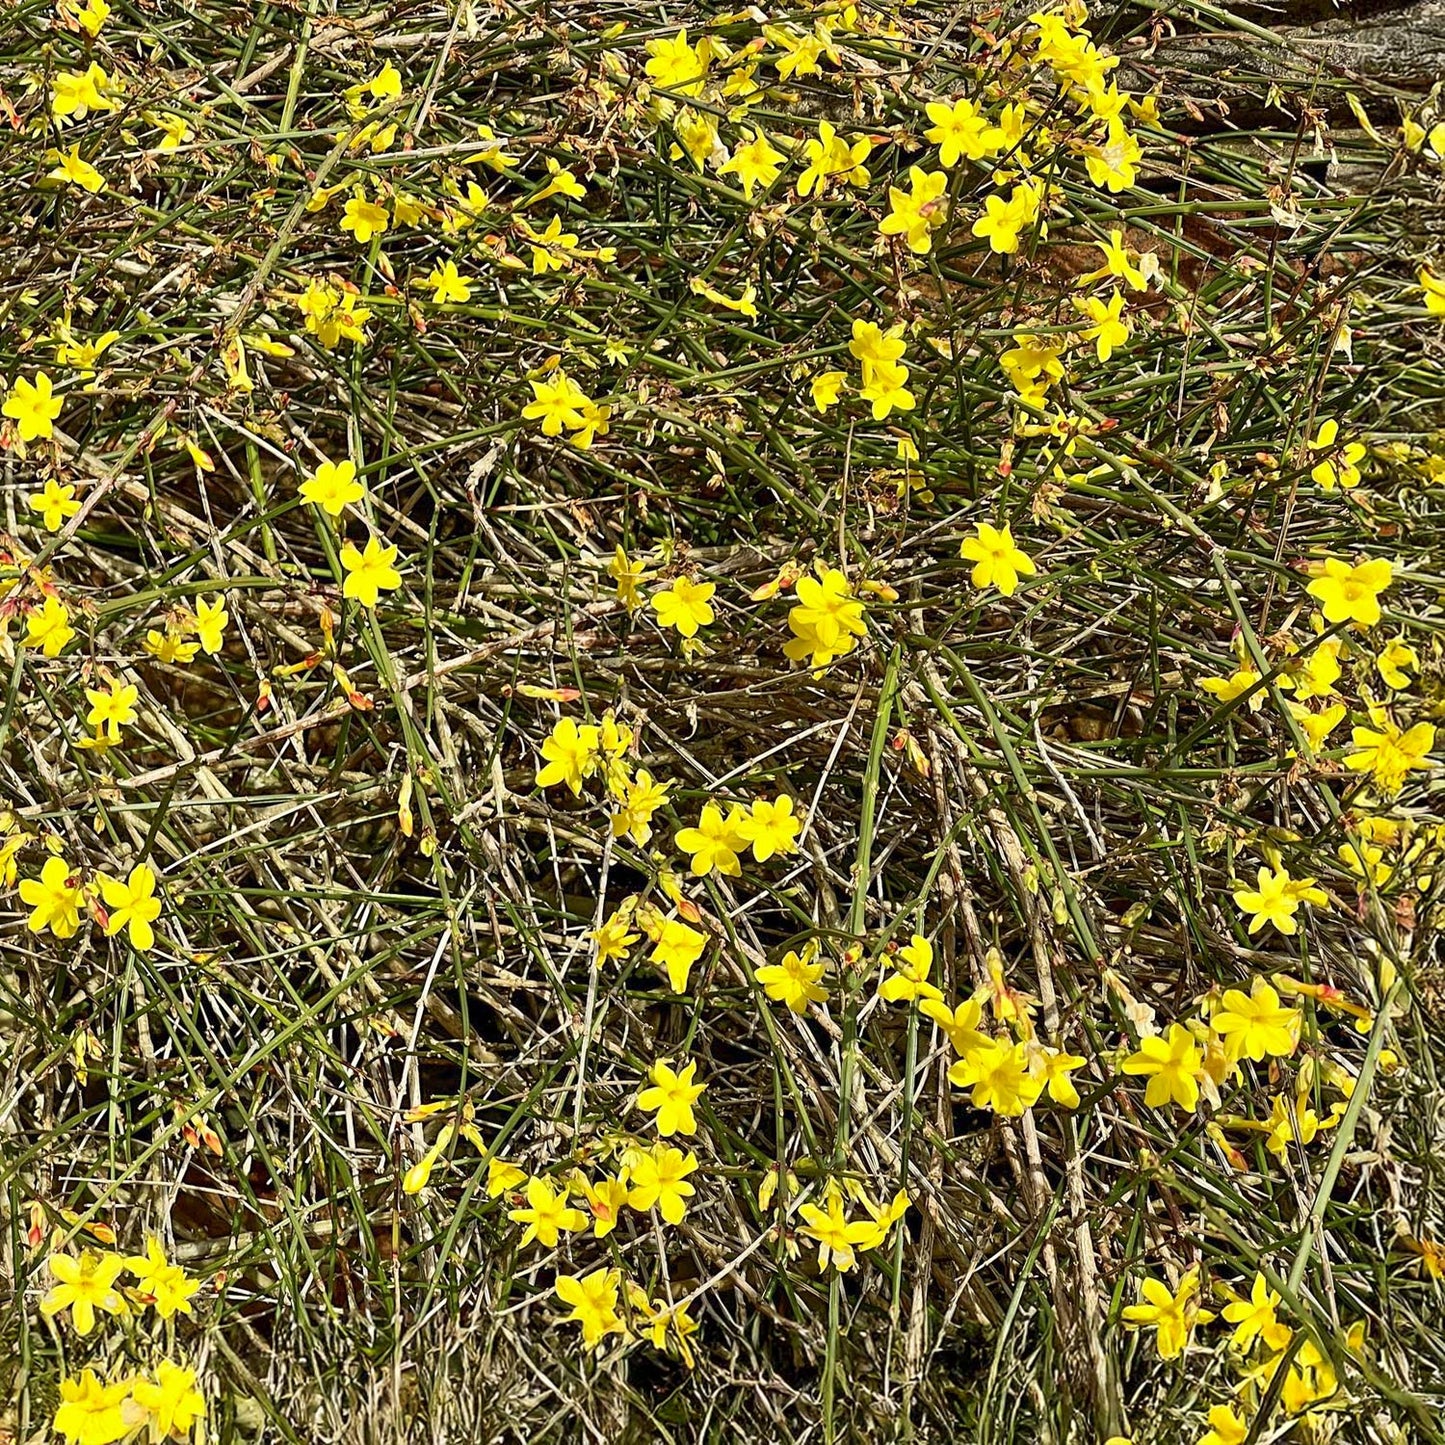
{"x": 672, "y": 1096}
{"x": 1173, "y": 1316}
{"x": 84, "y": 1285}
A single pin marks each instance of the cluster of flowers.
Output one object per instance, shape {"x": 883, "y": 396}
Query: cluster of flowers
{"x": 1261, "y": 1345}
{"x": 1349, "y": 594}
{"x": 649, "y": 1179}
{"x": 1008, "y": 1072}
{"x": 1201, "y": 1055}
{"x": 162, "y": 1399}
{"x": 57, "y": 897}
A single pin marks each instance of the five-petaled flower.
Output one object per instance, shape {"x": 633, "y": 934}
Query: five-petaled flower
{"x": 685, "y": 605}
{"x": 1173, "y": 1315}
{"x": 54, "y": 899}
{"x": 1352, "y": 593}
{"x": 1172, "y": 1065}
{"x": 132, "y": 904}
{"x": 593, "y": 1300}
{"x": 998, "y": 561}
{"x": 672, "y": 1096}
{"x": 333, "y": 487}
{"x": 33, "y": 406}
{"x": 83, "y": 1285}
{"x": 369, "y": 573}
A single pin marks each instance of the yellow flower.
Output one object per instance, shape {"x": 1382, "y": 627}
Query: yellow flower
{"x": 112, "y": 710}
{"x": 641, "y": 797}
{"x": 826, "y": 619}
{"x": 1352, "y": 594}
{"x": 369, "y": 573}
{"x": 1390, "y": 755}
{"x": 1032, "y": 364}
{"x": 685, "y": 605}
{"x": 960, "y": 1024}
{"x": 615, "y": 937}
{"x": 1338, "y": 467}
{"x": 175, "y": 130}
{"x": 75, "y": 93}
{"x": 1392, "y": 660}
{"x": 830, "y": 158}
{"x": 887, "y": 390}
{"x": 1174, "y": 1316}
{"x": 754, "y": 163}
{"x": 171, "y": 1400}
{"x": 33, "y": 406}
{"x": 1115, "y": 164}
{"x": 1318, "y": 674}
{"x": 54, "y": 899}
{"x": 716, "y": 841}
{"x": 72, "y": 171}
{"x": 657, "y": 1178}
{"x": 997, "y": 561}
{"x": 1225, "y": 1427}
{"x": 698, "y": 137}
{"x": 1434, "y": 289}
{"x": 1001, "y": 1075}
{"x": 1254, "y": 1319}
{"x": 364, "y": 219}
{"x": 1256, "y": 1025}
{"x": 549, "y": 246}
{"x": 1227, "y": 689}
{"x": 676, "y": 947}
{"x": 91, "y": 1413}
{"x": 493, "y": 152}
{"x": 1172, "y": 1067}
{"x": 675, "y": 65}
{"x": 49, "y": 629}
{"x": 1058, "y": 1065}
{"x": 593, "y": 1298}
{"x": 55, "y": 503}
{"x": 333, "y": 487}
{"x": 90, "y": 16}
{"x": 82, "y": 354}
{"x": 1276, "y": 900}
{"x": 332, "y": 315}
{"x": 556, "y": 403}
{"x": 770, "y": 827}
{"x": 1118, "y": 264}
{"x": 448, "y": 284}
{"x": 800, "y": 53}
{"x": 168, "y": 1286}
{"x": 1293, "y": 1121}
{"x": 836, "y": 1236}
{"x": 668, "y": 1327}
{"x": 874, "y": 347}
{"x": 672, "y": 1096}
{"x": 606, "y": 1199}
{"x": 794, "y": 982}
{"x": 909, "y": 979}
{"x": 170, "y": 646}
{"x": 210, "y": 623}
{"x": 629, "y": 576}
{"x": 1109, "y": 330}
{"x": 503, "y": 1177}
{"x": 132, "y": 904}
{"x": 1003, "y": 222}
{"x": 1317, "y": 726}
{"x": 83, "y": 1286}
{"x": 546, "y": 1214}
{"x": 915, "y": 213}
{"x": 961, "y": 132}
{"x": 570, "y": 753}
